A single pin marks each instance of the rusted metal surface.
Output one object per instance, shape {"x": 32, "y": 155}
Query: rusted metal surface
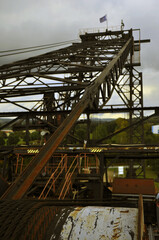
{"x": 140, "y": 218}
{"x": 3, "y": 186}
{"x": 157, "y": 214}
{"x": 22, "y": 184}
{"x": 101, "y": 223}
{"x": 133, "y": 186}
{"x": 22, "y": 220}
{"x": 48, "y": 220}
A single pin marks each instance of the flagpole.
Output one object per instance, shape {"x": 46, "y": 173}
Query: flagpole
{"x": 104, "y": 19}
{"x": 106, "y": 22}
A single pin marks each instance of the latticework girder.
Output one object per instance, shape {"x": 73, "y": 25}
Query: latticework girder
{"x": 63, "y": 73}
{"x": 103, "y": 84}
{"x": 54, "y": 82}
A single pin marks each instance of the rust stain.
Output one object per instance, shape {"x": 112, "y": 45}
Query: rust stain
{"x": 117, "y": 232}
{"x": 133, "y": 186}
{"x": 116, "y": 236}
{"x": 116, "y": 223}
{"x": 103, "y": 237}
{"x": 101, "y": 223}
{"x": 124, "y": 211}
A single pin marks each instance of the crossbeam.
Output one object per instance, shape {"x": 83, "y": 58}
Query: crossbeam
{"x": 18, "y": 189}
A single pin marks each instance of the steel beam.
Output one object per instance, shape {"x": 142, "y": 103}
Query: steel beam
{"x": 18, "y": 189}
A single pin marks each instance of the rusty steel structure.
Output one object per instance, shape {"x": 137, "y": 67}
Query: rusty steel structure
{"x": 95, "y": 94}
{"x": 42, "y": 90}
{"x": 50, "y": 92}
{"x": 75, "y": 164}
{"x": 54, "y": 220}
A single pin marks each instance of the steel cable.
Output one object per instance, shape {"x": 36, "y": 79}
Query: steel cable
{"x": 35, "y": 48}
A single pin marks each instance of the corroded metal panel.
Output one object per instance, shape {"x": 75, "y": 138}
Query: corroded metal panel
{"x": 133, "y": 186}
{"x": 101, "y": 223}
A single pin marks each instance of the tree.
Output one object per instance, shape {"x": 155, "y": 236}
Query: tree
{"x": 103, "y": 130}
{"x": 123, "y": 137}
{"x": 35, "y": 135}
{"x": 13, "y": 139}
{"x": 2, "y": 141}
{"x": 3, "y": 136}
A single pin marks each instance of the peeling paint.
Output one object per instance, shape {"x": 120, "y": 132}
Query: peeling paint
{"x": 101, "y": 223}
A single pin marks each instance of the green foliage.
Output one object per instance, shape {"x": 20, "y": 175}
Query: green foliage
{"x": 35, "y": 135}
{"x": 3, "y": 136}
{"x": 81, "y": 131}
{"x": 100, "y": 131}
{"x": 13, "y": 139}
{"x": 149, "y": 137}
{"x": 16, "y": 138}
{"x": 108, "y": 128}
{"x": 154, "y": 163}
{"x": 123, "y": 137}
{"x": 103, "y": 129}
{"x": 19, "y": 138}
{"x": 35, "y": 138}
{"x": 2, "y": 141}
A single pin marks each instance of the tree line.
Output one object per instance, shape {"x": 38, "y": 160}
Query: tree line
{"x": 98, "y": 130}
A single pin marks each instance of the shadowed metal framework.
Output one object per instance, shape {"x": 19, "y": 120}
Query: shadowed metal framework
{"x": 54, "y": 89}
{"x": 50, "y": 92}
{"x": 39, "y": 92}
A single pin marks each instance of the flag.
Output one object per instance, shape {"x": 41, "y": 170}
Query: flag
{"x": 103, "y": 19}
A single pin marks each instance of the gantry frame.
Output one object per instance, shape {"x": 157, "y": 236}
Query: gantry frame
{"x": 97, "y": 66}
{"x": 51, "y": 84}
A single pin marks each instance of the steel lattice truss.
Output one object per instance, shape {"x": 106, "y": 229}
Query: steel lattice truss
{"x": 55, "y": 81}
{"x": 48, "y": 86}
{"x": 57, "y": 87}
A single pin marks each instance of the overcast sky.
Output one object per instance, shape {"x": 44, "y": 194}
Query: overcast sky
{"x": 26, "y": 23}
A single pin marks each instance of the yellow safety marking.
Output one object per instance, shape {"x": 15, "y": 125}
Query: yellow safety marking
{"x": 32, "y": 151}
{"x": 96, "y": 150}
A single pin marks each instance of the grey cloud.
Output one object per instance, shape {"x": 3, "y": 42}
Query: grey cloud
{"x": 31, "y": 22}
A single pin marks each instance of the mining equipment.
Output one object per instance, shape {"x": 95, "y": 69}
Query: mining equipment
{"x": 61, "y": 190}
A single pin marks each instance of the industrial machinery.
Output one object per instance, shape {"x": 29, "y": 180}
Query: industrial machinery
{"x": 64, "y": 191}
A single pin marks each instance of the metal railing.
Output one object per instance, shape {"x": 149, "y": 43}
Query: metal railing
{"x": 68, "y": 178}
{"x": 61, "y": 166}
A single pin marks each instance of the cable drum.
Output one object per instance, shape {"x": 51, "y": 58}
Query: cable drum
{"x": 25, "y": 219}
{"x": 48, "y": 220}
